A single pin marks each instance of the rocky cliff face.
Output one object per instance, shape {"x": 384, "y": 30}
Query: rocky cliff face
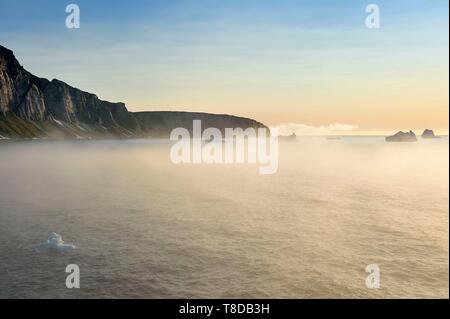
{"x": 33, "y": 107}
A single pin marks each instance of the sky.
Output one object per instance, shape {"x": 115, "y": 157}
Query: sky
{"x": 312, "y": 65}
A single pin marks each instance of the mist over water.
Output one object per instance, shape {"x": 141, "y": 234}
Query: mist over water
{"x": 147, "y": 228}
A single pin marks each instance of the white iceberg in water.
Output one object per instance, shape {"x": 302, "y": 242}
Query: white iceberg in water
{"x": 55, "y": 242}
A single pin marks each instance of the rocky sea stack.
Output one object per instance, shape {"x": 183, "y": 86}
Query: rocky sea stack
{"x": 33, "y": 107}
{"x": 402, "y": 137}
{"x": 429, "y": 134}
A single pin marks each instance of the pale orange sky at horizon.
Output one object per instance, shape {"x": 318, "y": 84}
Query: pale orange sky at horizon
{"x": 310, "y": 63}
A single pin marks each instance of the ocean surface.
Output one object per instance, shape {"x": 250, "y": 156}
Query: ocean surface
{"x": 143, "y": 227}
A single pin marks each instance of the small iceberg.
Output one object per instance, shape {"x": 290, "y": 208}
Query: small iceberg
{"x": 56, "y": 243}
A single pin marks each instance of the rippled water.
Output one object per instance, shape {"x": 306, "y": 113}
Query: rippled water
{"x": 146, "y": 228}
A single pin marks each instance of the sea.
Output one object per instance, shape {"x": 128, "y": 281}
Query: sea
{"x": 337, "y": 216}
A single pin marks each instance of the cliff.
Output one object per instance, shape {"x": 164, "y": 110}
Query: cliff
{"x": 33, "y": 107}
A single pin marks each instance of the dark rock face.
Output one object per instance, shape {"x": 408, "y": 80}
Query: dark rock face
{"x": 429, "y": 134}
{"x": 36, "y": 107}
{"x": 19, "y": 90}
{"x": 402, "y": 137}
{"x": 160, "y": 124}
{"x": 287, "y": 138}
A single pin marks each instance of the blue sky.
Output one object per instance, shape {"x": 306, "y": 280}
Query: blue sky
{"x": 309, "y": 62}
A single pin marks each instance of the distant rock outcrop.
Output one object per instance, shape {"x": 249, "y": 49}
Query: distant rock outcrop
{"x": 429, "y": 134}
{"x": 287, "y": 138}
{"x": 402, "y": 137}
{"x": 33, "y": 107}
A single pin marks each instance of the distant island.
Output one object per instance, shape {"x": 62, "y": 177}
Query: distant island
{"x": 33, "y": 107}
{"x": 402, "y": 137}
{"x": 287, "y": 138}
{"x": 429, "y": 134}
{"x": 410, "y": 136}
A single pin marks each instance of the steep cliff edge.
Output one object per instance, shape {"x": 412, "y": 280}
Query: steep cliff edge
{"x": 33, "y": 107}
